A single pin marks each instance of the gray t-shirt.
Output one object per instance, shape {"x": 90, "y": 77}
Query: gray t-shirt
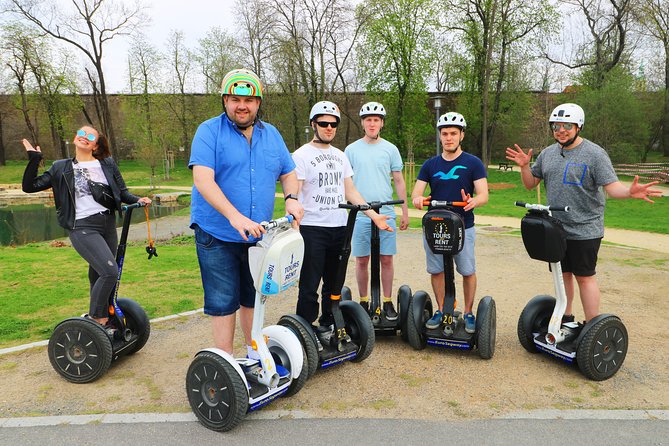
{"x": 575, "y": 178}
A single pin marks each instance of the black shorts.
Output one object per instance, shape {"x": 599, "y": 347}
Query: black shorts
{"x": 581, "y": 257}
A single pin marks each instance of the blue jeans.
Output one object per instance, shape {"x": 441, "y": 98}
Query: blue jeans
{"x": 226, "y": 278}
{"x": 361, "y": 243}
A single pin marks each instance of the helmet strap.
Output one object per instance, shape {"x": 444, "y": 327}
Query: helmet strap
{"x": 568, "y": 143}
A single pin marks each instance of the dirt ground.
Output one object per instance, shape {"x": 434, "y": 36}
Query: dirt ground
{"x": 396, "y": 381}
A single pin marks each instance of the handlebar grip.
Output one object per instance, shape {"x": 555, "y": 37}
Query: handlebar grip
{"x": 138, "y": 204}
{"x": 520, "y": 203}
{"x": 559, "y": 208}
{"x": 394, "y": 202}
{"x": 360, "y": 207}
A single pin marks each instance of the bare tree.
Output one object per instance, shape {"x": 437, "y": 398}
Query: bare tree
{"x": 255, "y": 42}
{"x": 217, "y": 53}
{"x": 180, "y": 62}
{"x": 87, "y": 25}
{"x": 654, "y": 17}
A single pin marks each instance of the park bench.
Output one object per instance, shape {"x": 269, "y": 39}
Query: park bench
{"x": 505, "y": 166}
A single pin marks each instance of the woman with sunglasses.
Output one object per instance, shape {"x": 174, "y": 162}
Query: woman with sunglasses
{"x": 577, "y": 173}
{"x": 90, "y": 221}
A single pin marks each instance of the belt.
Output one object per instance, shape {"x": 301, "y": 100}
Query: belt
{"x": 105, "y": 212}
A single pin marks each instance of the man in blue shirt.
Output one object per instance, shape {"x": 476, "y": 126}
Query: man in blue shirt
{"x": 453, "y": 176}
{"x": 236, "y": 160}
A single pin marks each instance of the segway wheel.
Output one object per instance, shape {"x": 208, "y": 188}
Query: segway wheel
{"x": 534, "y": 318}
{"x": 346, "y": 293}
{"x": 419, "y": 312}
{"x": 486, "y": 327}
{"x": 359, "y": 327}
{"x": 216, "y": 393}
{"x": 80, "y": 350}
{"x": 307, "y": 339}
{"x": 137, "y": 321}
{"x": 602, "y": 350}
{"x": 403, "y": 298}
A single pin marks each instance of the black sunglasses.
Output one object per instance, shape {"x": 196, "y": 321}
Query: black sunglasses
{"x": 324, "y": 124}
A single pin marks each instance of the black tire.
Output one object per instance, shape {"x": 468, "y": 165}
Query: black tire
{"x": 403, "y": 298}
{"x": 137, "y": 321}
{"x": 486, "y": 327}
{"x": 419, "y": 312}
{"x": 80, "y": 350}
{"x": 307, "y": 339}
{"x": 216, "y": 393}
{"x": 602, "y": 351}
{"x": 359, "y": 327}
{"x": 281, "y": 358}
{"x": 535, "y": 317}
{"x": 346, "y": 293}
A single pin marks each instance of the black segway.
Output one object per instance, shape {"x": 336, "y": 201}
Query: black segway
{"x": 351, "y": 337}
{"x": 81, "y": 350}
{"x": 382, "y": 325}
{"x": 444, "y": 231}
{"x": 599, "y": 346}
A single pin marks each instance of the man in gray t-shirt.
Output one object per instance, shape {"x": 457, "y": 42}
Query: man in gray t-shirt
{"x": 577, "y": 173}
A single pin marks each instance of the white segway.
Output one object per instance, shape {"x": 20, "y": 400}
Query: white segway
{"x": 222, "y": 389}
{"x": 599, "y": 346}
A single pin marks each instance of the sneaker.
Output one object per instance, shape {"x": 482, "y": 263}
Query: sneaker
{"x": 391, "y": 314}
{"x": 436, "y": 320}
{"x": 365, "y": 305}
{"x": 470, "y": 323}
{"x": 567, "y": 318}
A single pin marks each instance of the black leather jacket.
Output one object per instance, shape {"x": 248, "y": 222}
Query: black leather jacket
{"x": 60, "y": 177}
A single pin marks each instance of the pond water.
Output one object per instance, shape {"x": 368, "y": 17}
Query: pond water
{"x": 34, "y": 223}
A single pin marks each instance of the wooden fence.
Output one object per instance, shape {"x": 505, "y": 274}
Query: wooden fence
{"x": 646, "y": 171}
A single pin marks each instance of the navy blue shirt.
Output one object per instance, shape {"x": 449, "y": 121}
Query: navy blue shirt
{"x": 447, "y": 178}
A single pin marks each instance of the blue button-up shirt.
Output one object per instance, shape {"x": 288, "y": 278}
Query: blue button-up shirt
{"x": 246, "y": 173}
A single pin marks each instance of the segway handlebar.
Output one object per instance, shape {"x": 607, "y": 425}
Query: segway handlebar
{"x": 371, "y": 205}
{"x": 441, "y": 204}
{"x": 288, "y": 219}
{"x": 541, "y": 207}
{"x": 139, "y": 204}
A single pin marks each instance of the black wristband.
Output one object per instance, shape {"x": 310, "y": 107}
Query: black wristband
{"x": 290, "y": 197}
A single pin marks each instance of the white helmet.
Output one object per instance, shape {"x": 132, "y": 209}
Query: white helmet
{"x": 324, "y": 108}
{"x": 569, "y": 112}
{"x": 373, "y": 109}
{"x": 452, "y": 119}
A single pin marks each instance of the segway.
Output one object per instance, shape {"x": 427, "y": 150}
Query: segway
{"x": 351, "y": 337}
{"x": 382, "y": 325}
{"x": 81, "y": 350}
{"x": 222, "y": 389}
{"x": 444, "y": 231}
{"x": 599, "y": 346}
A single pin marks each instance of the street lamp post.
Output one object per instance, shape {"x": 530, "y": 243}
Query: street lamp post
{"x": 437, "y": 108}
{"x": 306, "y": 133}
{"x": 67, "y": 148}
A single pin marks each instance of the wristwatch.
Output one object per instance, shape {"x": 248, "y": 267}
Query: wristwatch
{"x": 290, "y": 197}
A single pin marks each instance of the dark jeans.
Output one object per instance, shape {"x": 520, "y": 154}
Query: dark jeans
{"x": 321, "y": 251}
{"x": 95, "y": 239}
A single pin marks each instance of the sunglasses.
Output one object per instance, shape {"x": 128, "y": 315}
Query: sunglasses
{"x": 89, "y": 136}
{"x": 324, "y": 124}
{"x": 555, "y": 126}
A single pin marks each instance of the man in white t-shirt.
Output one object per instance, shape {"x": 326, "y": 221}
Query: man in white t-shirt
{"x": 374, "y": 160}
{"x": 324, "y": 175}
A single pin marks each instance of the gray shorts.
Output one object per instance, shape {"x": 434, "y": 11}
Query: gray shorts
{"x": 465, "y": 260}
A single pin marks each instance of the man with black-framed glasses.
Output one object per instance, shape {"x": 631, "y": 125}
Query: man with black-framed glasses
{"x": 576, "y": 173}
{"x": 324, "y": 177}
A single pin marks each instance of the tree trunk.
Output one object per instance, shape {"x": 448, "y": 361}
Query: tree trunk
{"x": 3, "y": 160}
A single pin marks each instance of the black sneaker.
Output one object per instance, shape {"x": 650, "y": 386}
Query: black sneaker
{"x": 365, "y": 305}
{"x": 391, "y": 314}
{"x": 567, "y": 318}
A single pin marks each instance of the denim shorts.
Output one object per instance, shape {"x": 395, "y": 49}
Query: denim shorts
{"x": 465, "y": 260}
{"x": 362, "y": 238}
{"x": 226, "y": 277}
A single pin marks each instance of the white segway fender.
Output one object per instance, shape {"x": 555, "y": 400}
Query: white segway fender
{"x": 230, "y": 359}
{"x": 285, "y": 339}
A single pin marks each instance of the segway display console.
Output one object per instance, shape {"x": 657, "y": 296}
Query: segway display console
{"x": 599, "y": 346}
